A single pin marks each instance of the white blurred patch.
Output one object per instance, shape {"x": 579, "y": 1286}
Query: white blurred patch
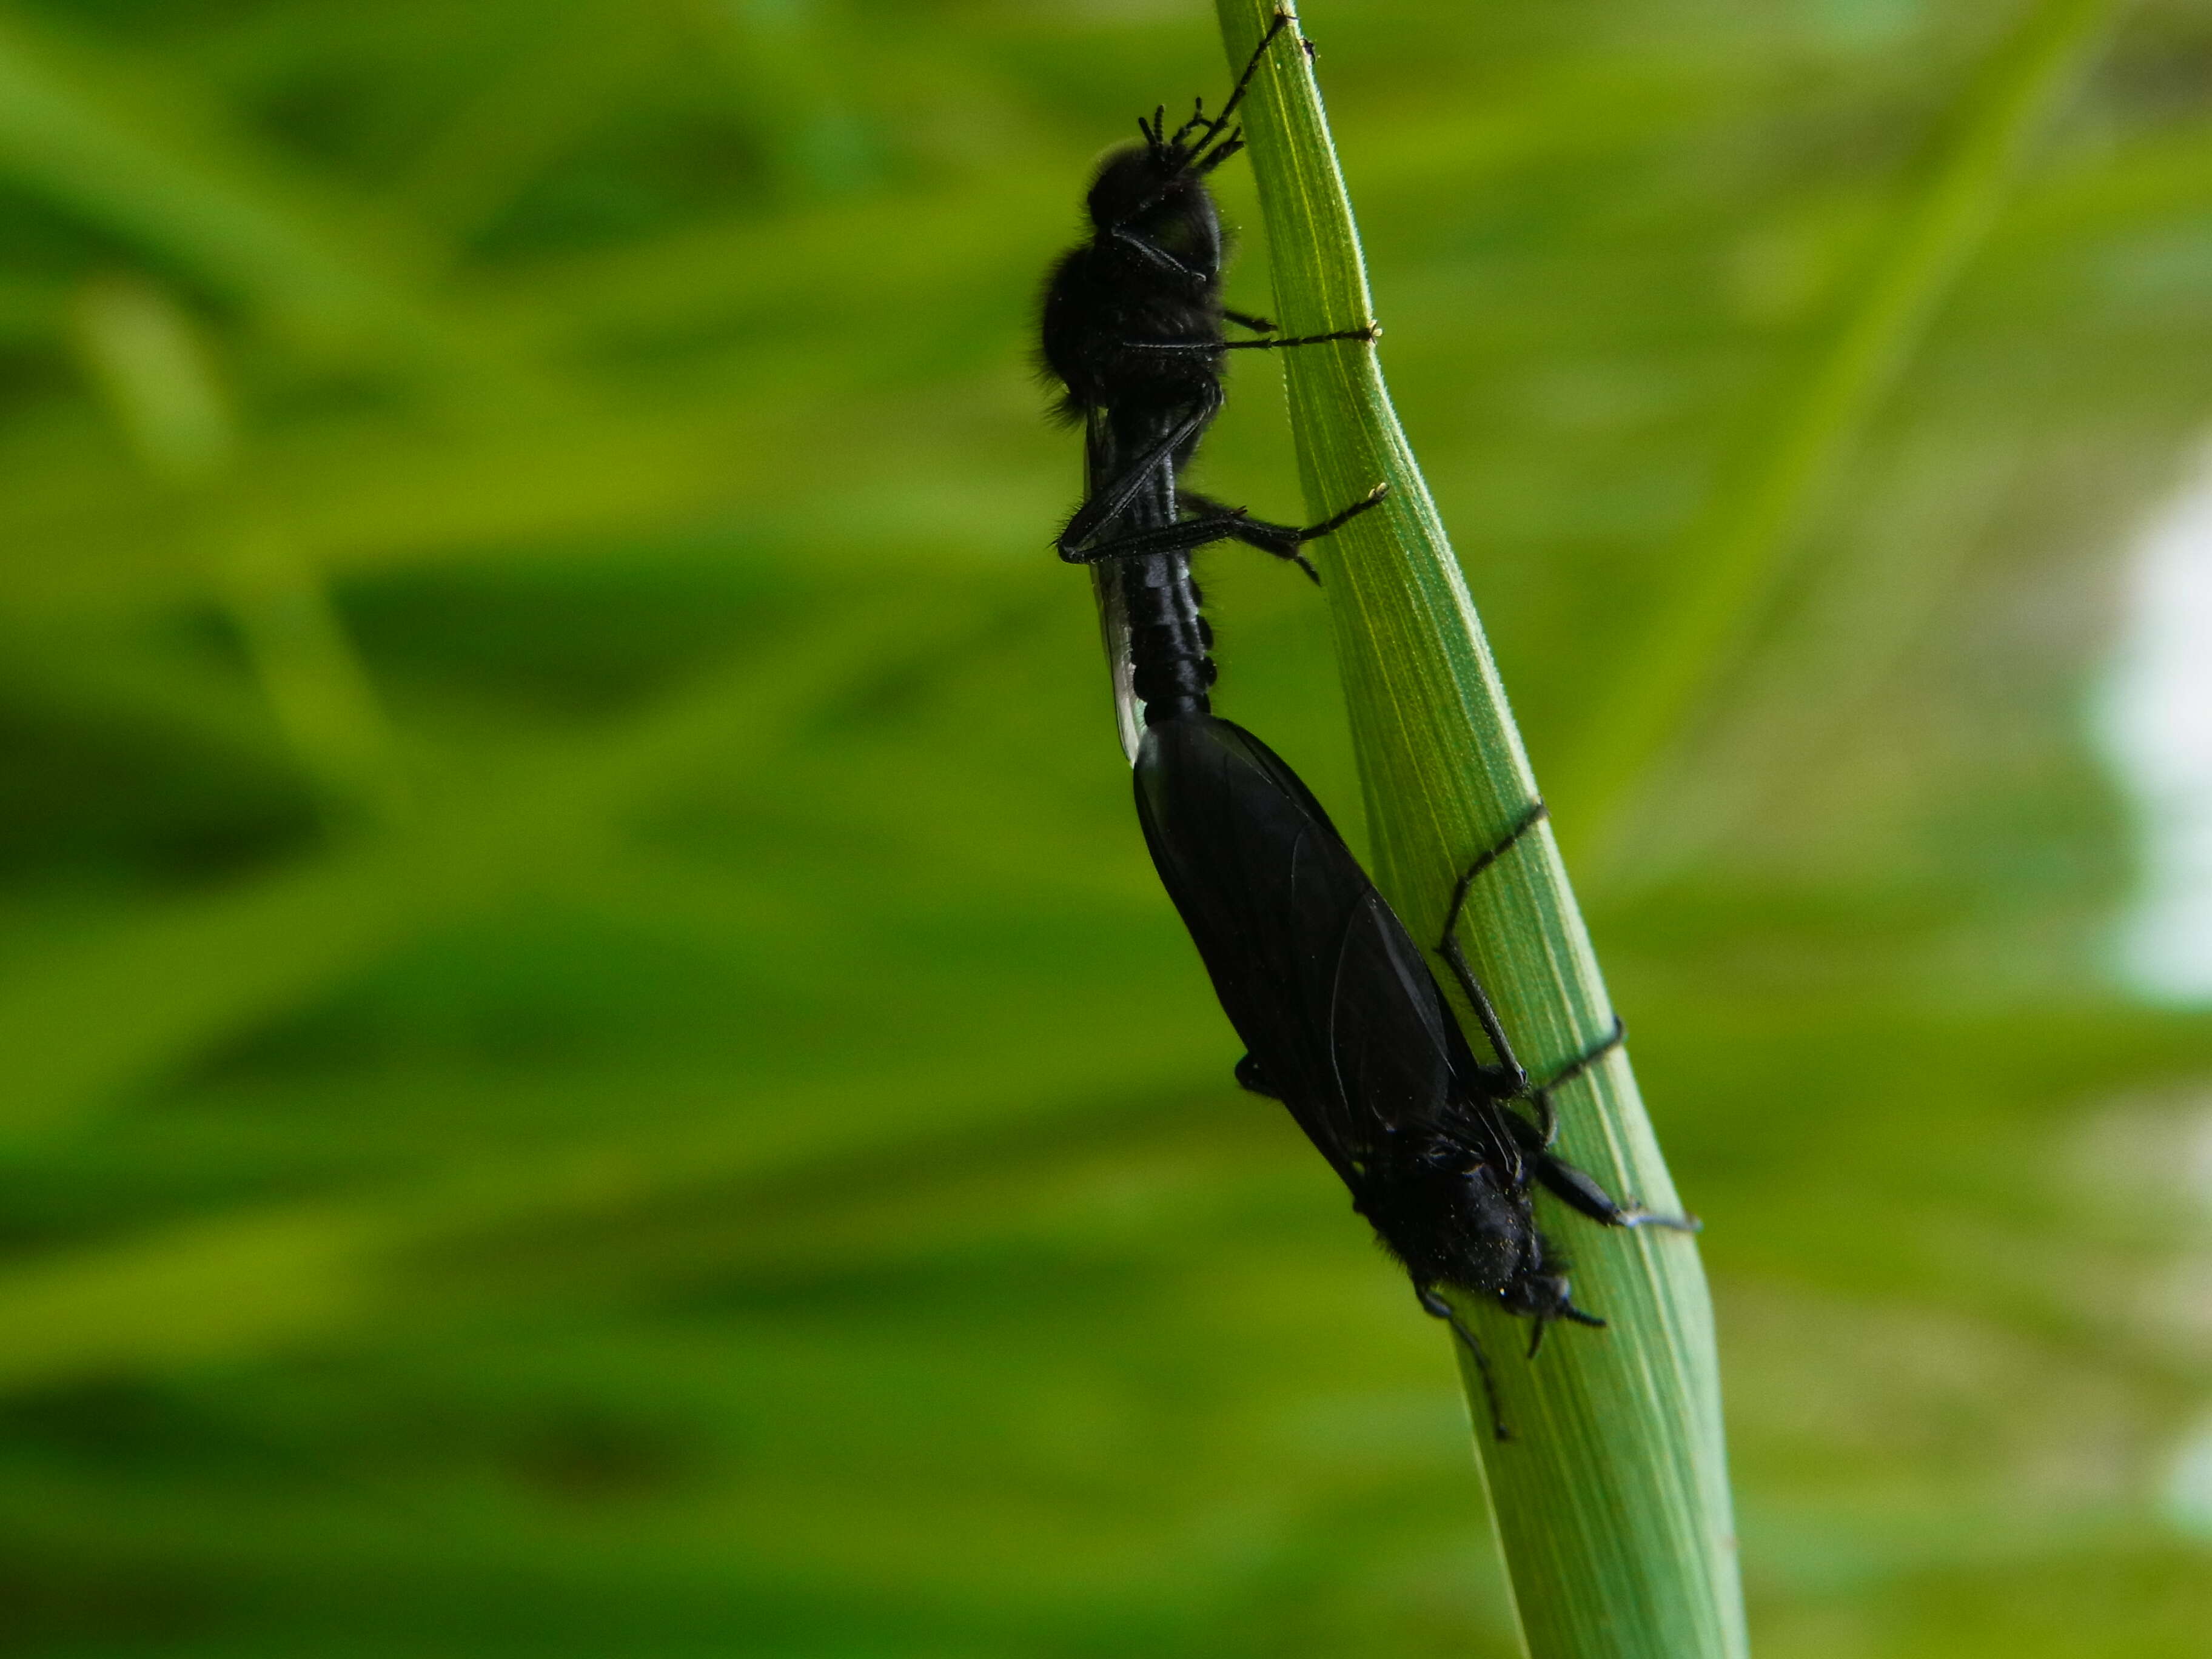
{"x": 2146, "y": 1149}
{"x": 2154, "y": 716}
{"x": 2186, "y": 1501}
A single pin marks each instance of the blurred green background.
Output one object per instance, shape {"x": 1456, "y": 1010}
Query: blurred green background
{"x": 594, "y": 1064}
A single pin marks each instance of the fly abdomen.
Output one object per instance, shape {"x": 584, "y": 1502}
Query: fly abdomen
{"x": 1169, "y": 643}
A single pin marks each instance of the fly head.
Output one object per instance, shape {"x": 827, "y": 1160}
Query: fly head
{"x": 1149, "y": 206}
{"x": 1538, "y": 1290}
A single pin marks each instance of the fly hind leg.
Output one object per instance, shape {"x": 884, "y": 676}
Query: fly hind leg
{"x": 1080, "y": 545}
{"x": 1285, "y": 541}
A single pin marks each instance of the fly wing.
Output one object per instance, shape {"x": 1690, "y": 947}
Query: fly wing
{"x": 1400, "y": 1051}
{"x": 1099, "y": 452}
{"x": 1106, "y": 577}
{"x": 1312, "y": 967}
{"x": 1393, "y": 1042}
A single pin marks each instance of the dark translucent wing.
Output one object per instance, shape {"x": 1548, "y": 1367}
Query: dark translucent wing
{"x": 1392, "y": 1041}
{"x": 1312, "y": 967}
{"x": 1106, "y": 579}
{"x": 1400, "y": 1051}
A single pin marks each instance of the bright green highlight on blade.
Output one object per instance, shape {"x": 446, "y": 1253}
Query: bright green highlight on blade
{"x": 1611, "y": 1499}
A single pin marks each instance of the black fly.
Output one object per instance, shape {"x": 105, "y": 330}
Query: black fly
{"x": 1346, "y": 1026}
{"x": 1132, "y": 331}
{"x": 1340, "y": 1012}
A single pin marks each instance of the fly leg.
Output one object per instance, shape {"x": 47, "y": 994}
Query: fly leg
{"x": 1367, "y": 332}
{"x": 1282, "y": 540}
{"x": 1200, "y": 159}
{"x": 1547, "y": 1117}
{"x": 1205, "y": 164}
{"x": 1455, "y": 956}
{"x": 1564, "y": 1181}
{"x": 1156, "y": 256}
{"x": 1436, "y": 1307}
{"x": 1078, "y": 543}
{"x": 1573, "y": 1188}
{"x": 1579, "y": 1192}
{"x": 1084, "y": 540}
{"x": 1566, "y": 1311}
{"x": 1215, "y": 524}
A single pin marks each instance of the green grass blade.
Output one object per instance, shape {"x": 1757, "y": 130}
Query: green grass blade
{"x": 148, "y": 355}
{"x": 1734, "y": 556}
{"x": 144, "y": 155}
{"x": 1612, "y": 1502}
{"x": 112, "y": 1012}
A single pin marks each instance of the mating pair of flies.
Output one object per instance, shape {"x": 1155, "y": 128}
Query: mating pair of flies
{"x": 1340, "y": 1014}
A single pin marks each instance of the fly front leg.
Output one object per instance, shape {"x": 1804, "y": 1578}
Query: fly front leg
{"x": 1580, "y": 1193}
{"x": 1200, "y": 159}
